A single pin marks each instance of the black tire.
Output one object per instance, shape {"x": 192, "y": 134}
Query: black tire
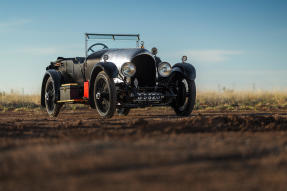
{"x": 52, "y": 107}
{"x": 184, "y": 103}
{"x": 123, "y": 111}
{"x": 104, "y": 95}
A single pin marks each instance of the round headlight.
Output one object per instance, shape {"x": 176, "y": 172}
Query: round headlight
{"x": 128, "y": 69}
{"x": 164, "y": 69}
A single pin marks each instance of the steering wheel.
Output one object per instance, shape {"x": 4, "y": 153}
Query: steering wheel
{"x": 91, "y": 48}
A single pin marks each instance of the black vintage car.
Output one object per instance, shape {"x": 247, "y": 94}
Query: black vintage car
{"x": 110, "y": 79}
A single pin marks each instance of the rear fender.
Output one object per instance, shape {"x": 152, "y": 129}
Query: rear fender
{"x": 56, "y": 77}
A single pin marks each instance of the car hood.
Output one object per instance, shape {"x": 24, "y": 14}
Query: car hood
{"x": 119, "y": 56}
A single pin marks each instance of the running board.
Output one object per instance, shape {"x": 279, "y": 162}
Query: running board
{"x": 73, "y": 101}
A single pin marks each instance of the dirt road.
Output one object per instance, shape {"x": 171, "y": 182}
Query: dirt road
{"x": 151, "y": 149}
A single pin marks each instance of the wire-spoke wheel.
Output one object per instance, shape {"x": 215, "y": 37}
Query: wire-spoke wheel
{"x": 104, "y": 95}
{"x": 185, "y": 99}
{"x": 52, "y": 107}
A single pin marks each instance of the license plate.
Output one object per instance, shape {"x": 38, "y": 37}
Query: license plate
{"x": 149, "y": 97}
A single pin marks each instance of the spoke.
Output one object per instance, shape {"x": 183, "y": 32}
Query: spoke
{"x": 106, "y": 104}
{"x": 106, "y": 88}
{"x": 105, "y": 95}
{"x": 102, "y": 86}
{"x": 50, "y": 96}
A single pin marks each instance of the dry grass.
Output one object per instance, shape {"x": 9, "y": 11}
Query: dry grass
{"x": 242, "y": 100}
{"x": 206, "y": 100}
{"x": 14, "y": 101}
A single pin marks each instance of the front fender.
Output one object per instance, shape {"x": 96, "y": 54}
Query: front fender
{"x": 109, "y": 68}
{"x": 56, "y": 76}
{"x": 187, "y": 70}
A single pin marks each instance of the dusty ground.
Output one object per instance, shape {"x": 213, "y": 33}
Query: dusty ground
{"x": 151, "y": 149}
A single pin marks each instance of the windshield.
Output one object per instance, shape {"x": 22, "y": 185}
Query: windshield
{"x": 112, "y": 40}
{"x": 135, "y": 37}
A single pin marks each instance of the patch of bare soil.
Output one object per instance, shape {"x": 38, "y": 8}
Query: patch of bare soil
{"x": 150, "y": 149}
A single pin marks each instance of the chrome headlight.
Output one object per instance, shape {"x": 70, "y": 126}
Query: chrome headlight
{"x": 164, "y": 69}
{"x": 128, "y": 69}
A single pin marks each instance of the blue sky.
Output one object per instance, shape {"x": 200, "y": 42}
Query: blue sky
{"x": 238, "y": 44}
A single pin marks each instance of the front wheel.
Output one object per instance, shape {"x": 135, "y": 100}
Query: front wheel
{"x": 104, "y": 95}
{"x": 184, "y": 103}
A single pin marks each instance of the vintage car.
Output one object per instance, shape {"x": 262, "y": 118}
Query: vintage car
{"x": 118, "y": 79}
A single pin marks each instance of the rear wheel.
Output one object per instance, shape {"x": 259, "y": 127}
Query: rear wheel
{"x": 104, "y": 95}
{"x": 186, "y": 96}
{"x": 52, "y": 107}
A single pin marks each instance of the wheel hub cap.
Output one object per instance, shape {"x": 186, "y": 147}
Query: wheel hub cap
{"x": 47, "y": 96}
{"x": 98, "y": 96}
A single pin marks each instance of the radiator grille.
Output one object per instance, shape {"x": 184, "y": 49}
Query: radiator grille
{"x": 145, "y": 70}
